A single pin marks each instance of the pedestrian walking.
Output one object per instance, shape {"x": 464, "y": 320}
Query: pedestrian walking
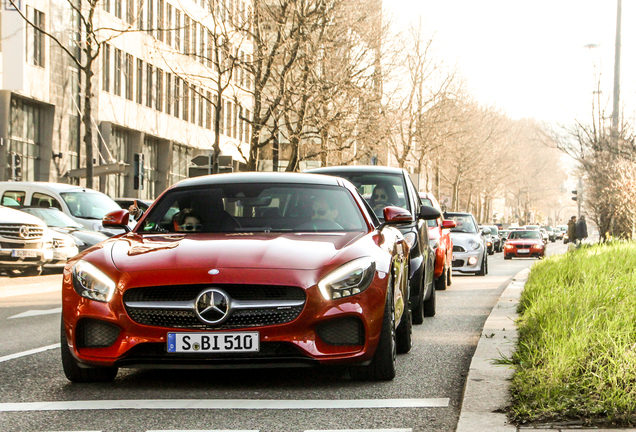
{"x": 581, "y": 230}
{"x": 572, "y": 230}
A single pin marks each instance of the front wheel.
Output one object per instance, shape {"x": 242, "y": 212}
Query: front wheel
{"x": 484, "y": 267}
{"x": 404, "y": 335}
{"x": 449, "y": 272}
{"x": 441, "y": 283}
{"x": 383, "y": 364}
{"x": 429, "y": 305}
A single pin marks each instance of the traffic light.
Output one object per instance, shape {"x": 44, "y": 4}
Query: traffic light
{"x": 575, "y": 197}
{"x": 139, "y": 171}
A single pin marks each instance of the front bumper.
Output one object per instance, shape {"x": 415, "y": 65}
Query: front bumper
{"x": 303, "y": 341}
{"x": 38, "y": 257}
{"x": 461, "y": 261}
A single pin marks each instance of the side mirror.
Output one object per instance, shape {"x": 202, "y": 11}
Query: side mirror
{"x": 429, "y": 213}
{"x": 117, "y": 219}
{"x": 449, "y": 223}
{"x": 485, "y": 231}
{"x": 396, "y": 215}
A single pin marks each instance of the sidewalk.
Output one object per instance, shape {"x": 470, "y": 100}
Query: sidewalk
{"x": 488, "y": 385}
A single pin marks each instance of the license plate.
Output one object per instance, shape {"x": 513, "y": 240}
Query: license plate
{"x": 523, "y": 251}
{"x": 213, "y": 342}
{"x": 23, "y": 253}
{"x": 59, "y": 255}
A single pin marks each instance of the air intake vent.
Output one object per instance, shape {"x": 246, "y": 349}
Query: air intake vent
{"x": 96, "y": 334}
{"x": 343, "y": 331}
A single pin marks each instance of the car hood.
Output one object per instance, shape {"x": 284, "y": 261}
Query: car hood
{"x": 9, "y": 215}
{"x": 462, "y": 239}
{"x": 298, "y": 251}
{"x": 524, "y": 241}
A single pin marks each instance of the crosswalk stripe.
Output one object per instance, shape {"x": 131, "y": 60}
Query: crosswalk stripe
{"x": 29, "y": 352}
{"x": 248, "y": 404}
{"x": 361, "y": 430}
{"x": 37, "y": 312}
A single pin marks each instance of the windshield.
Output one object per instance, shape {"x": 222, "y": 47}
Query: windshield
{"x": 53, "y": 218}
{"x": 255, "y": 208}
{"x": 464, "y": 223}
{"x": 89, "y": 205}
{"x": 379, "y": 190}
{"x": 516, "y": 235}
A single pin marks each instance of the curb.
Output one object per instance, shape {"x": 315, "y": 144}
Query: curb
{"x": 487, "y": 386}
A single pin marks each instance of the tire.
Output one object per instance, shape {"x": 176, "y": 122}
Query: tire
{"x": 417, "y": 310}
{"x": 429, "y": 305}
{"x": 441, "y": 283}
{"x": 32, "y": 271}
{"x": 78, "y": 374}
{"x": 383, "y": 364}
{"x": 506, "y": 257}
{"x": 449, "y": 272}
{"x": 483, "y": 270}
{"x": 404, "y": 333}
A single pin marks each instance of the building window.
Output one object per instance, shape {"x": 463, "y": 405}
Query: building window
{"x": 201, "y": 107}
{"x": 177, "y": 29}
{"x": 181, "y": 157}
{"x": 186, "y": 34}
{"x": 235, "y": 114}
{"x": 128, "y": 76}
{"x": 118, "y": 8}
{"x": 106, "y": 68}
{"x": 38, "y": 38}
{"x": 24, "y": 137}
{"x": 210, "y": 48}
{"x": 159, "y": 92}
{"x": 140, "y": 81}
{"x": 186, "y": 101}
{"x": 160, "y": 7}
{"x": 140, "y": 14}
{"x": 149, "y": 83}
{"x": 169, "y": 24}
{"x": 130, "y": 11}
{"x": 177, "y": 96}
{"x": 150, "y": 150}
{"x": 193, "y": 101}
{"x": 168, "y": 93}
{"x": 118, "y": 57}
{"x": 246, "y": 125}
{"x": 119, "y": 146}
{"x": 151, "y": 18}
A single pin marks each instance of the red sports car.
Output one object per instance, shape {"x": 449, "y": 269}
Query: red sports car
{"x": 440, "y": 239}
{"x": 524, "y": 244}
{"x": 247, "y": 269}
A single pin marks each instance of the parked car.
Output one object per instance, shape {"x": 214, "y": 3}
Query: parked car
{"x": 25, "y": 243}
{"x": 61, "y": 223}
{"x": 253, "y": 269}
{"x": 469, "y": 246}
{"x": 441, "y": 242}
{"x": 524, "y": 244}
{"x": 85, "y": 206}
{"x": 492, "y": 239}
{"x": 384, "y": 186}
{"x": 64, "y": 248}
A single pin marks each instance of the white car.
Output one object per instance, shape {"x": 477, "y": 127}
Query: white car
{"x": 470, "y": 253}
{"x": 25, "y": 243}
{"x": 85, "y": 206}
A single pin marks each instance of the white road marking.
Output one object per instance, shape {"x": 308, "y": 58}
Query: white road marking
{"x": 201, "y": 430}
{"x": 248, "y": 404}
{"x": 361, "y": 430}
{"x": 36, "y": 313}
{"x": 29, "y": 352}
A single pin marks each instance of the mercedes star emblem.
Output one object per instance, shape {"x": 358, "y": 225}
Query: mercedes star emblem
{"x": 24, "y": 231}
{"x": 212, "y": 306}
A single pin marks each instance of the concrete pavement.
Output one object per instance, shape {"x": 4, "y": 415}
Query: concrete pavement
{"x": 10, "y": 287}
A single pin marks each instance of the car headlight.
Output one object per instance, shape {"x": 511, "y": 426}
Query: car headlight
{"x": 434, "y": 243}
{"x": 474, "y": 244}
{"x": 92, "y": 283}
{"x": 349, "y": 279}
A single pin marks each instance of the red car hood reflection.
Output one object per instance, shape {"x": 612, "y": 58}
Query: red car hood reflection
{"x": 258, "y": 251}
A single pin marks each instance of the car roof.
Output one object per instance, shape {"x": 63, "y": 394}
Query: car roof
{"x": 260, "y": 177}
{"x": 371, "y": 169}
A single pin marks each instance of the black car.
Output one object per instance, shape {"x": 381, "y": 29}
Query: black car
{"x": 385, "y": 186}
{"x": 60, "y": 222}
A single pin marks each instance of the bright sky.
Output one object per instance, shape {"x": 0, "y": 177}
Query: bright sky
{"x": 528, "y": 57}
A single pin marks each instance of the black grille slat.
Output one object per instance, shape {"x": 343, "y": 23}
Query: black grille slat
{"x": 13, "y": 231}
{"x": 6, "y": 245}
{"x": 187, "y": 319}
{"x": 345, "y": 331}
{"x": 458, "y": 249}
{"x": 96, "y": 334}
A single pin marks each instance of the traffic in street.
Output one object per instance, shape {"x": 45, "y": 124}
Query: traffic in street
{"x": 425, "y": 395}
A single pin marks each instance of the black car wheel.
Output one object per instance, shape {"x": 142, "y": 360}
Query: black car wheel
{"x": 483, "y": 270}
{"x": 449, "y": 273}
{"x": 429, "y": 305}
{"x": 404, "y": 336}
{"x": 417, "y": 310}
{"x": 77, "y": 374}
{"x": 441, "y": 283}
{"x": 383, "y": 364}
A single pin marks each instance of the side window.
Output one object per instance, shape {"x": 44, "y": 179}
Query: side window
{"x": 43, "y": 200}
{"x": 414, "y": 196}
{"x": 13, "y": 198}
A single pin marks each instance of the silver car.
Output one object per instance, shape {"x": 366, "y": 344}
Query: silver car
{"x": 469, "y": 246}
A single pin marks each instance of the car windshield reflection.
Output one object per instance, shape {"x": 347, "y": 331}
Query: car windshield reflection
{"x": 254, "y": 208}
{"x": 464, "y": 224}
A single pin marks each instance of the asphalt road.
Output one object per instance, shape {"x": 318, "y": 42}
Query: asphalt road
{"x": 35, "y": 395}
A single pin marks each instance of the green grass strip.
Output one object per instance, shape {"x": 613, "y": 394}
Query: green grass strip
{"x": 576, "y": 352}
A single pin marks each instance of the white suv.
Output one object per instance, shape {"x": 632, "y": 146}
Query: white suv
{"x": 25, "y": 243}
{"x": 86, "y": 206}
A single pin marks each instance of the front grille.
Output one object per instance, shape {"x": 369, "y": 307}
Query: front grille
{"x": 458, "y": 249}
{"x": 343, "y": 331}
{"x": 96, "y": 334}
{"x": 458, "y": 263}
{"x": 30, "y": 232}
{"x": 7, "y": 245}
{"x": 524, "y": 246}
{"x": 165, "y": 316}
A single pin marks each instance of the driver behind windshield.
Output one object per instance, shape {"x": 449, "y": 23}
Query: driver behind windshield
{"x": 323, "y": 210}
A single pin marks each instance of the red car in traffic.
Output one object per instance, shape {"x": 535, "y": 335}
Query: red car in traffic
{"x": 440, "y": 239}
{"x": 524, "y": 244}
{"x": 245, "y": 269}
